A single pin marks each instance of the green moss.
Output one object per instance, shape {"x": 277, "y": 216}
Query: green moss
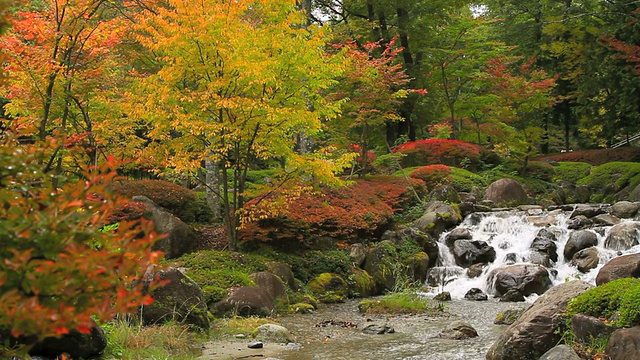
{"x": 363, "y": 283}
{"x": 614, "y": 176}
{"x": 621, "y": 297}
{"x": 465, "y": 180}
{"x": 571, "y": 171}
{"x": 217, "y": 271}
{"x": 328, "y": 284}
{"x": 301, "y": 308}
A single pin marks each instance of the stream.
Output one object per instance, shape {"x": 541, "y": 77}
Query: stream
{"x": 510, "y": 233}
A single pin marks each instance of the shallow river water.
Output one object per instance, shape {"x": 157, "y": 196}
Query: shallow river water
{"x": 414, "y": 337}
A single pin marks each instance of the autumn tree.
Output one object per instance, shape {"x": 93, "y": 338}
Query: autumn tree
{"x": 237, "y": 83}
{"x": 61, "y": 58}
{"x": 372, "y": 91}
{"x": 59, "y": 268}
{"x": 521, "y": 96}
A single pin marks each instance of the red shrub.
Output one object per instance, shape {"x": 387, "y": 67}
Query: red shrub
{"x": 439, "y": 151}
{"x": 177, "y": 199}
{"x": 598, "y": 156}
{"x": 359, "y": 211}
{"x": 126, "y": 211}
{"x": 432, "y": 175}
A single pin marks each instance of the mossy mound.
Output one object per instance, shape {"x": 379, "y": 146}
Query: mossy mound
{"x": 611, "y": 180}
{"x": 329, "y": 287}
{"x": 571, "y": 171}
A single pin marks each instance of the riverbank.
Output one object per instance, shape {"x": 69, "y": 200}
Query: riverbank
{"x": 335, "y": 332}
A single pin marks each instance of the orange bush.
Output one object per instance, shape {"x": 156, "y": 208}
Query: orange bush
{"x": 439, "y": 151}
{"x": 432, "y": 175}
{"x": 360, "y": 211}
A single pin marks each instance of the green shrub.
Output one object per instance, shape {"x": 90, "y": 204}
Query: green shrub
{"x": 598, "y": 156}
{"x": 612, "y": 177}
{"x": 177, "y": 199}
{"x": 465, "y": 180}
{"x": 540, "y": 170}
{"x": 571, "y": 171}
{"x": 334, "y": 261}
{"x": 618, "y": 296}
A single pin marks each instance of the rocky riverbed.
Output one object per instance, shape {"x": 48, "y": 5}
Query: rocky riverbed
{"x": 335, "y": 332}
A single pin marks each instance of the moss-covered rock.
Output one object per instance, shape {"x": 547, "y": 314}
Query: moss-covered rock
{"x": 363, "y": 284}
{"x": 382, "y": 264}
{"x": 417, "y": 266}
{"x": 301, "y": 308}
{"x": 612, "y": 178}
{"x": 329, "y": 287}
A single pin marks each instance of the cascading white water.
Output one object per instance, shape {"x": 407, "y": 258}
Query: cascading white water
{"x": 511, "y": 234}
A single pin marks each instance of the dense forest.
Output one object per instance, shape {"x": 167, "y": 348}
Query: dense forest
{"x": 204, "y": 92}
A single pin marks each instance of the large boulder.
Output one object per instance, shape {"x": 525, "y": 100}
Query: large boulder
{"x": 623, "y": 236}
{"x": 363, "y": 283}
{"x": 560, "y": 352}
{"x": 537, "y": 330}
{"x": 625, "y": 209}
{"x": 75, "y": 344}
{"x": 273, "y": 333}
{"x": 417, "y": 266}
{"x": 380, "y": 258}
{"x": 329, "y": 287}
{"x": 626, "y": 266}
{"x": 358, "y": 252}
{"x": 579, "y": 240}
{"x": 283, "y": 271}
{"x": 438, "y": 217}
{"x": 506, "y": 192}
{"x": 527, "y": 279}
{"x": 179, "y": 237}
{"x": 469, "y": 252}
{"x": 586, "y": 259}
{"x": 458, "y": 330}
{"x": 429, "y": 244}
{"x": 588, "y": 328}
{"x": 570, "y": 193}
{"x": 545, "y": 244}
{"x": 459, "y": 233}
{"x": 635, "y": 194}
{"x": 246, "y": 301}
{"x": 588, "y": 210}
{"x": 624, "y": 344}
{"x": 440, "y": 276}
{"x": 445, "y": 193}
{"x": 272, "y": 283}
{"x": 181, "y": 299}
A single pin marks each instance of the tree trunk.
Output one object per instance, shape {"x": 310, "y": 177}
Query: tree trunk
{"x": 212, "y": 186}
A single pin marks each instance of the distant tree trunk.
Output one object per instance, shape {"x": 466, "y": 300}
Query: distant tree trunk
{"x": 212, "y": 186}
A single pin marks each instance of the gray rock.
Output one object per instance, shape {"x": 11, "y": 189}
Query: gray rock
{"x": 442, "y": 275}
{"x": 458, "y": 330}
{"x": 506, "y": 192}
{"x": 469, "y": 252}
{"x": 475, "y": 294}
{"x": 623, "y": 236}
{"x": 246, "y": 301}
{"x": 543, "y": 220}
{"x": 358, "y": 253}
{"x": 588, "y": 328}
{"x": 512, "y": 295}
{"x": 475, "y": 270}
{"x": 626, "y": 266}
{"x": 545, "y": 243}
{"x": 605, "y": 220}
{"x": 378, "y": 329}
{"x": 635, "y": 194}
{"x": 75, "y": 344}
{"x": 527, "y": 279}
{"x": 437, "y": 218}
{"x": 284, "y": 272}
{"x": 272, "y": 283}
{"x": 588, "y": 210}
{"x": 179, "y": 237}
{"x": 180, "y": 300}
{"x": 624, "y": 344}
{"x": 273, "y": 333}
{"x": 579, "y": 222}
{"x": 445, "y": 193}
{"x": 586, "y": 259}
{"x": 625, "y": 209}
{"x": 535, "y": 331}
{"x": 429, "y": 245}
{"x": 443, "y": 296}
{"x": 579, "y": 240}
{"x": 508, "y": 316}
{"x": 560, "y": 352}
{"x": 255, "y": 345}
{"x": 458, "y": 233}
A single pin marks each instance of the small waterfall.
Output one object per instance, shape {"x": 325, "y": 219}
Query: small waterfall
{"x": 511, "y": 234}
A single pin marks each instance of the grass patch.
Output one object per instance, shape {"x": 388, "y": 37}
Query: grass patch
{"x": 465, "y": 180}
{"x": 232, "y": 326}
{"x": 173, "y": 341}
{"x": 405, "y": 302}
